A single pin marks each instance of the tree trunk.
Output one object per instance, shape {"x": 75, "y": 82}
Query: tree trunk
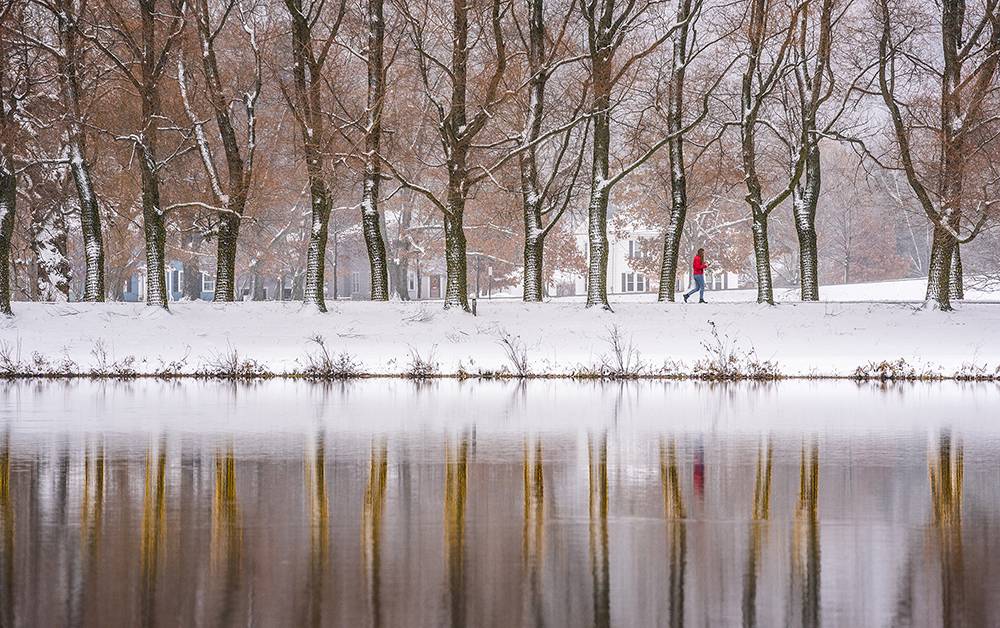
{"x": 370, "y": 218}
{"x": 957, "y": 280}
{"x": 400, "y": 265}
{"x": 456, "y": 293}
{"x": 804, "y": 204}
{"x": 154, "y": 227}
{"x": 531, "y": 190}
{"x": 939, "y": 269}
{"x": 90, "y": 216}
{"x": 762, "y": 259}
{"x": 191, "y": 286}
{"x": 597, "y": 210}
{"x": 534, "y": 250}
{"x": 90, "y": 220}
{"x": 8, "y": 204}
{"x": 225, "y": 256}
{"x": 316, "y": 256}
{"x": 675, "y": 148}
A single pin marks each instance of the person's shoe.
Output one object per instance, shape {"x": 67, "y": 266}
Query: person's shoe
{"x": 702, "y": 301}
{"x": 685, "y": 298}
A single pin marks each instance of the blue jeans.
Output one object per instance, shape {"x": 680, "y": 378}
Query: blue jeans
{"x": 699, "y": 286}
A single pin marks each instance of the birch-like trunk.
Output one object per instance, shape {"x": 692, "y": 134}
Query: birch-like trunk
{"x": 371, "y": 222}
{"x": 675, "y": 150}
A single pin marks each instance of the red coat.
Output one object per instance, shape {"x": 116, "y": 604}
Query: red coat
{"x": 699, "y": 266}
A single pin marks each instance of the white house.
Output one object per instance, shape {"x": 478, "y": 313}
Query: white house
{"x": 629, "y": 250}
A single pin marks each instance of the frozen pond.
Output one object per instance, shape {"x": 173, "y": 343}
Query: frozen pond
{"x": 392, "y": 503}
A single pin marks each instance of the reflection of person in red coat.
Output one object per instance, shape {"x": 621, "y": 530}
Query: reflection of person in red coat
{"x": 698, "y": 268}
{"x": 699, "y": 470}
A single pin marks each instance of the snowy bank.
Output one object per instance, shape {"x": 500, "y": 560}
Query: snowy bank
{"x": 507, "y": 337}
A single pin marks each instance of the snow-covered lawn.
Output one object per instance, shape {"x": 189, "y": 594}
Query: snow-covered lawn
{"x": 559, "y": 337}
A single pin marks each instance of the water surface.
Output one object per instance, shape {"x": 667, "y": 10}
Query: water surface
{"x": 548, "y": 503}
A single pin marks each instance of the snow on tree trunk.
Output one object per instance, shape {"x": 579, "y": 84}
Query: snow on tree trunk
{"x": 8, "y": 204}
{"x": 316, "y": 256}
{"x": 225, "y": 256}
{"x": 90, "y": 217}
{"x": 534, "y": 247}
{"x": 675, "y": 151}
{"x": 804, "y": 212}
{"x": 939, "y": 269}
{"x": 456, "y": 293}
{"x": 762, "y": 259}
{"x": 956, "y": 279}
{"x": 370, "y": 219}
{"x": 49, "y": 237}
{"x": 597, "y": 210}
{"x": 90, "y": 220}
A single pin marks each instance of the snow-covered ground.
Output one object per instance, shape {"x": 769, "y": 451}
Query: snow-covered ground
{"x": 558, "y": 337}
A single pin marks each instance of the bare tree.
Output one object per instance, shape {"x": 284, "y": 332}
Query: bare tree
{"x": 230, "y": 194}
{"x": 140, "y": 53}
{"x": 946, "y": 187}
{"x": 457, "y": 129}
{"x": 611, "y": 25}
{"x": 310, "y": 53}
{"x": 371, "y": 218}
{"x": 814, "y": 85}
{"x": 766, "y": 65}
{"x": 67, "y": 49}
{"x": 543, "y": 200}
{"x": 8, "y": 130}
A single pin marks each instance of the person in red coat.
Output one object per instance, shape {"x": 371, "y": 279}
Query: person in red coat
{"x": 698, "y": 267}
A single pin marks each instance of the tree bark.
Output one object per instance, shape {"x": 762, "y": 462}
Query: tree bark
{"x": 154, "y": 223}
{"x": 597, "y": 209}
{"x": 957, "y": 280}
{"x": 804, "y": 201}
{"x": 456, "y": 292}
{"x": 531, "y": 189}
{"x": 939, "y": 268}
{"x": 307, "y": 78}
{"x": 675, "y": 150}
{"x": 762, "y": 259}
{"x": 370, "y": 218}
{"x": 90, "y": 216}
{"x": 8, "y": 205}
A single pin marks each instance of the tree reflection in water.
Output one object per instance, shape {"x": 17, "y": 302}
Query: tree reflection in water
{"x": 676, "y": 520}
{"x": 439, "y": 525}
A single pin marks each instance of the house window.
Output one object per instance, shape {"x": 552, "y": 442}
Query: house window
{"x": 411, "y": 282}
{"x": 286, "y": 293}
{"x": 265, "y": 293}
{"x": 640, "y": 282}
{"x": 173, "y": 280}
{"x": 355, "y": 282}
{"x": 207, "y": 283}
{"x": 633, "y": 249}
